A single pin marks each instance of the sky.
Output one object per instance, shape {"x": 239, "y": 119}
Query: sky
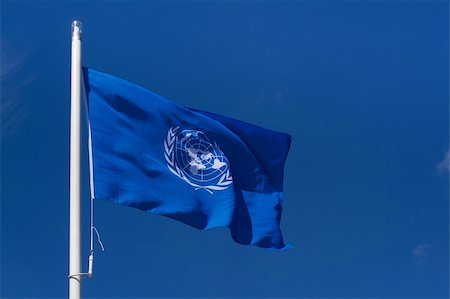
{"x": 361, "y": 86}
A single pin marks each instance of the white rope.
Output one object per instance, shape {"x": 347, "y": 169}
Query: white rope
{"x": 91, "y": 172}
{"x": 93, "y": 229}
{"x": 98, "y": 238}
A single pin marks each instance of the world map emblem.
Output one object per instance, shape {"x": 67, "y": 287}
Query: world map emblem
{"x": 197, "y": 160}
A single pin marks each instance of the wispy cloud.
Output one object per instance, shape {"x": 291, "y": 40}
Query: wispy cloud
{"x": 421, "y": 252}
{"x": 444, "y": 165}
{"x": 13, "y": 109}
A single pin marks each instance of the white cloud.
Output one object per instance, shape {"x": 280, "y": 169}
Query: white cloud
{"x": 421, "y": 252}
{"x": 444, "y": 165}
{"x": 13, "y": 109}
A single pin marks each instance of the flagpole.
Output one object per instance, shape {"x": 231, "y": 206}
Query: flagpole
{"x": 75, "y": 204}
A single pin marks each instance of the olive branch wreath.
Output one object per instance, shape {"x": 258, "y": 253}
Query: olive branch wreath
{"x": 169, "y": 153}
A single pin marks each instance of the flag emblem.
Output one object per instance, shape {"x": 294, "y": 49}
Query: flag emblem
{"x": 194, "y": 158}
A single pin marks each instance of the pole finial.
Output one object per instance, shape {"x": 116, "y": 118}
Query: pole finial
{"x": 76, "y": 30}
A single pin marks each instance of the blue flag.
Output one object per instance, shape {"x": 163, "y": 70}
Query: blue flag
{"x": 200, "y": 168}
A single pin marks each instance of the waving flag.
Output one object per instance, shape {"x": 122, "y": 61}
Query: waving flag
{"x": 200, "y": 168}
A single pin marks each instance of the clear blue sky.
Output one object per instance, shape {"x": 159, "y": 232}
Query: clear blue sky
{"x": 362, "y": 87}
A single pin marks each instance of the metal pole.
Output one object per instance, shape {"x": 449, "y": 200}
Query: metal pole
{"x": 75, "y": 211}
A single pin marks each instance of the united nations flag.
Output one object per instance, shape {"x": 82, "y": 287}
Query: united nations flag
{"x": 200, "y": 168}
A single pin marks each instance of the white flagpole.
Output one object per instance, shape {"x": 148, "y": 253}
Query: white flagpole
{"x": 75, "y": 204}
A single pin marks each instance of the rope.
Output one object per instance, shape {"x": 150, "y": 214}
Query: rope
{"x": 98, "y": 238}
{"x": 79, "y": 276}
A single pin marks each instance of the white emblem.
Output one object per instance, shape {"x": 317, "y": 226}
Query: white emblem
{"x": 192, "y": 157}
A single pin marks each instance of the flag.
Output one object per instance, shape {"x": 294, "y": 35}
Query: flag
{"x": 200, "y": 168}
